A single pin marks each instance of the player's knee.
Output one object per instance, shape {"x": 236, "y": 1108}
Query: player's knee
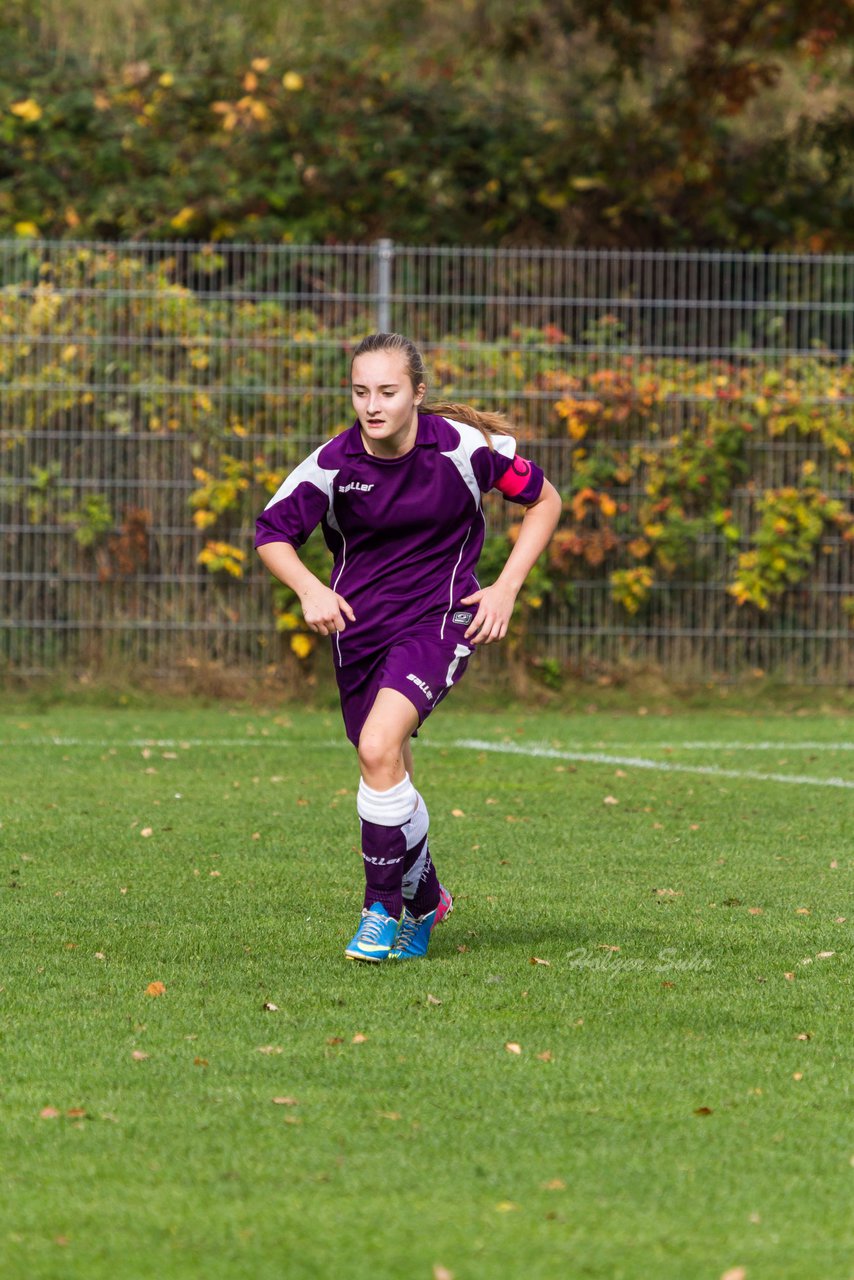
{"x": 378, "y": 753}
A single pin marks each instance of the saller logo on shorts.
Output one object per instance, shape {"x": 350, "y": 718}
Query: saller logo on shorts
{"x": 462, "y": 619}
{"x": 421, "y": 685}
{"x": 354, "y": 484}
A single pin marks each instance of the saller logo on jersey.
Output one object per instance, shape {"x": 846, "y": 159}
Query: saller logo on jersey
{"x": 421, "y": 685}
{"x": 354, "y": 484}
{"x": 462, "y": 619}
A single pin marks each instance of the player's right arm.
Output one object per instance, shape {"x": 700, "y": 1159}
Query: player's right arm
{"x": 324, "y": 610}
{"x": 292, "y": 513}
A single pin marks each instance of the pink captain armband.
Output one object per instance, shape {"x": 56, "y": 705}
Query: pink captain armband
{"x": 515, "y": 477}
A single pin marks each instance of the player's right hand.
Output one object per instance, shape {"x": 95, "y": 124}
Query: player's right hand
{"x": 324, "y": 610}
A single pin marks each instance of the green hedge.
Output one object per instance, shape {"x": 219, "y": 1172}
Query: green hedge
{"x": 734, "y": 144}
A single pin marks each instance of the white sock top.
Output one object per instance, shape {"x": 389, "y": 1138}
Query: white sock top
{"x": 387, "y": 808}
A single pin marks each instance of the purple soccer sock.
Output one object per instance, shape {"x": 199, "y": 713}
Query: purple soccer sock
{"x": 383, "y": 815}
{"x": 420, "y": 882}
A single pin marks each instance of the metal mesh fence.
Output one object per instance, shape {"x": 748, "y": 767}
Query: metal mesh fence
{"x": 152, "y": 395}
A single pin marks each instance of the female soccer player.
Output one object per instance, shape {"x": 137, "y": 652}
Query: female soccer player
{"x": 398, "y": 496}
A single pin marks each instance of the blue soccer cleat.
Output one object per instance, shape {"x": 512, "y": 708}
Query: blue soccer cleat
{"x": 374, "y": 937}
{"x": 413, "y": 936}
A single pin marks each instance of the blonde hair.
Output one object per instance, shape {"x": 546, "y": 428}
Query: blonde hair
{"x": 488, "y": 424}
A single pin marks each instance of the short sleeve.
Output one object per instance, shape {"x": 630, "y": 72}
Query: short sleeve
{"x": 298, "y": 506}
{"x": 503, "y": 469}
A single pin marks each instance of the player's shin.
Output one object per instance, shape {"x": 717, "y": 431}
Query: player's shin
{"x": 383, "y": 816}
{"x": 420, "y": 882}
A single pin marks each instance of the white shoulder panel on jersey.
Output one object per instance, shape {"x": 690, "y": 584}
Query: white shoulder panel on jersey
{"x": 308, "y": 472}
{"x": 470, "y": 440}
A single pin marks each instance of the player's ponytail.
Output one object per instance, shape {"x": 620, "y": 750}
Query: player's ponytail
{"x": 488, "y": 424}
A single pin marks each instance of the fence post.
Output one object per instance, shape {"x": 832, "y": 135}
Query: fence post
{"x": 385, "y": 255}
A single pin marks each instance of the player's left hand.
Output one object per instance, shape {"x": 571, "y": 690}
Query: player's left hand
{"x": 494, "y": 610}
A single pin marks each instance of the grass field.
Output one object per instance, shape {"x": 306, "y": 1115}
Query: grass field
{"x": 680, "y": 1106}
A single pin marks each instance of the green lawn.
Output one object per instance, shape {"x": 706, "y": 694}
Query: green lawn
{"x": 682, "y": 1103}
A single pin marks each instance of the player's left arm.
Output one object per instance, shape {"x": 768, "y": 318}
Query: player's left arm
{"x": 495, "y": 603}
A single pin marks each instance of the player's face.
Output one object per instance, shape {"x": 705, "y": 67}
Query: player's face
{"x": 385, "y": 403}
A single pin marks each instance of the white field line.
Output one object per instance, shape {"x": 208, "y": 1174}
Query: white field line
{"x": 500, "y": 748}
{"x": 264, "y": 741}
{"x": 640, "y": 762}
{"x": 735, "y": 746}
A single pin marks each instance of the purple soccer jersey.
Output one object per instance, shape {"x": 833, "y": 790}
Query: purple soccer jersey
{"x": 405, "y": 533}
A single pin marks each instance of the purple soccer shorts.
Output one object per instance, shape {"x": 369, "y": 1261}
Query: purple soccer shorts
{"x": 420, "y": 666}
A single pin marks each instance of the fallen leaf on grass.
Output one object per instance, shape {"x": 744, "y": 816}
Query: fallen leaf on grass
{"x": 797, "y": 1075}
{"x": 270, "y": 1007}
{"x": 432, "y": 999}
{"x": 155, "y": 989}
{"x": 139, "y": 1056}
{"x": 358, "y": 1038}
{"x": 545, "y": 1056}
{"x": 754, "y": 911}
{"x": 703, "y": 1111}
{"x": 200, "y": 1062}
{"x": 457, "y": 813}
{"x": 804, "y": 1035}
{"x": 269, "y": 1048}
{"x": 537, "y": 960}
{"x": 606, "y": 946}
{"x": 147, "y": 831}
{"x": 610, "y": 800}
{"x": 49, "y": 1113}
{"x": 512, "y": 1047}
{"x": 462, "y": 947}
{"x": 442, "y": 1273}
{"x": 825, "y": 955}
{"x": 506, "y": 1206}
{"x": 802, "y": 911}
{"x": 286, "y": 1102}
{"x": 334, "y": 1039}
{"x": 556, "y": 1184}
{"x": 735, "y": 1273}
{"x": 389, "y": 1115}
{"x": 790, "y": 977}
{"x": 76, "y": 1113}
